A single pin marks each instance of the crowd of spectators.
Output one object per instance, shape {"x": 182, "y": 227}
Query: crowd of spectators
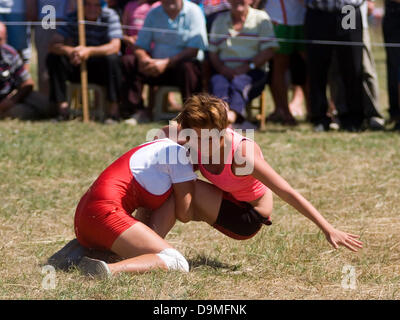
{"x": 229, "y": 48}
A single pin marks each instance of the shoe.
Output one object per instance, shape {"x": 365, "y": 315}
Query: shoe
{"x": 292, "y": 122}
{"x": 70, "y": 255}
{"x": 94, "y": 268}
{"x": 274, "y": 117}
{"x": 376, "y": 124}
{"x": 112, "y": 120}
{"x": 320, "y": 128}
{"x": 137, "y": 118}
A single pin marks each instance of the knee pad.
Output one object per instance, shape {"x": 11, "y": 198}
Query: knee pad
{"x": 174, "y": 260}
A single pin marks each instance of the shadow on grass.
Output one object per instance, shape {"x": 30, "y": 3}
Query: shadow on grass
{"x": 201, "y": 261}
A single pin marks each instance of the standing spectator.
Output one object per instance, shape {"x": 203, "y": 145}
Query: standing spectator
{"x": 288, "y": 18}
{"x": 391, "y": 32}
{"x": 16, "y": 97}
{"x": 133, "y": 18}
{"x": 103, "y": 42}
{"x": 239, "y": 61}
{"x": 370, "y": 85}
{"x": 324, "y": 22}
{"x": 44, "y": 36}
{"x": 19, "y": 35}
{"x": 167, "y": 48}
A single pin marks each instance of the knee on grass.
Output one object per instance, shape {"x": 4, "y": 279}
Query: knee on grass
{"x": 174, "y": 260}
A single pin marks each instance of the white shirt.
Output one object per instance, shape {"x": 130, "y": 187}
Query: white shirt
{"x": 159, "y": 165}
{"x": 287, "y": 12}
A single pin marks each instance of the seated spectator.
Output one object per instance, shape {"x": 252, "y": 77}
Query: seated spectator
{"x": 44, "y": 36}
{"x": 133, "y": 18}
{"x": 168, "y": 47}
{"x": 103, "y": 42}
{"x": 16, "y": 97}
{"x": 19, "y": 35}
{"x": 391, "y": 33}
{"x": 239, "y": 62}
{"x": 288, "y": 18}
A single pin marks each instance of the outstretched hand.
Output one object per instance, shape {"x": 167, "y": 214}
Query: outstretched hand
{"x": 339, "y": 238}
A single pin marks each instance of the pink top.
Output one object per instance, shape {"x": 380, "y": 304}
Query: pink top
{"x": 134, "y": 15}
{"x": 242, "y": 188}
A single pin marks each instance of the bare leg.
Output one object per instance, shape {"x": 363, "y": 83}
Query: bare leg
{"x": 296, "y": 105}
{"x": 163, "y": 219}
{"x": 139, "y": 244}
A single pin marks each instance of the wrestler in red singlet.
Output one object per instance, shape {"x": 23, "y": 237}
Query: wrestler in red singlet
{"x": 142, "y": 177}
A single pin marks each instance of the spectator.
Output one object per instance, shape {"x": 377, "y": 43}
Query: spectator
{"x": 323, "y": 22}
{"x": 240, "y": 62}
{"x": 19, "y": 35}
{"x": 167, "y": 48}
{"x": 391, "y": 32}
{"x": 370, "y": 85}
{"x": 133, "y": 17}
{"x": 44, "y": 36}
{"x": 103, "y": 42}
{"x": 16, "y": 97}
{"x": 288, "y": 18}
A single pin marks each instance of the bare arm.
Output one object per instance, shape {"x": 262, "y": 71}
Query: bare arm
{"x": 107, "y": 49}
{"x": 186, "y": 54}
{"x": 183, "y": 193}
{"x": 266, "y": 174}
{"x": 58, "y": 46}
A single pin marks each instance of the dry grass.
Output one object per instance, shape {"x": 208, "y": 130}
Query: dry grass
{"x": 351, "y": 178}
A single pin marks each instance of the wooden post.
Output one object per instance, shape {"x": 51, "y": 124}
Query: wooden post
{"x": 84, "y": 75}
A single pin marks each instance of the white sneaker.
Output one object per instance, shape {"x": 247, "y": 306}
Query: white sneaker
{"x": 94, "y": 268}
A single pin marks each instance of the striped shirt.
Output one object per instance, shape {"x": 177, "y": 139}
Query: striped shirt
{"x": 108, "y": 27}
{"x": 12, "y": 71}
{"x": 235, "y": 48}
{"x": 332, "y": 5}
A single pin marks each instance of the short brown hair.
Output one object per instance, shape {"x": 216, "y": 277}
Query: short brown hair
{"x": 204, "y": 111}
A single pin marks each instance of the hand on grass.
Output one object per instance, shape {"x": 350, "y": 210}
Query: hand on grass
{"x": 339, "y": 238}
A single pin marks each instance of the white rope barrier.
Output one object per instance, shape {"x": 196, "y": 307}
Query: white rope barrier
{"x": 218, "y": 36}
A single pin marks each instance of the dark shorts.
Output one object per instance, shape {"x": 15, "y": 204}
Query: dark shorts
{"x": 239, "y": 220}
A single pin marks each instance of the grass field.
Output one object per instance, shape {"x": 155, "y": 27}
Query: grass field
{"x": 353, "y": 179}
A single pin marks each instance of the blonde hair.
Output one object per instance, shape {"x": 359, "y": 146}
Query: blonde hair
{"x": 204, "y": 111}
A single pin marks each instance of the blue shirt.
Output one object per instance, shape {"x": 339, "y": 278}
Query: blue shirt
{"x": 108, "y": 28}
{"x": 163, "y": 37}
